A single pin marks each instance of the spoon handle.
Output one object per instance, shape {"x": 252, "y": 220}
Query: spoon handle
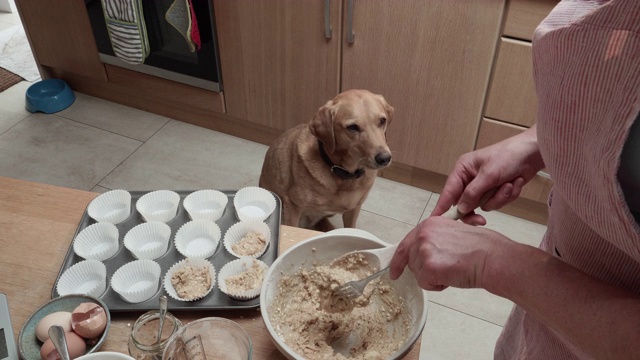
{"x": 56, "y": 333}
{"x": 163, "y": 312}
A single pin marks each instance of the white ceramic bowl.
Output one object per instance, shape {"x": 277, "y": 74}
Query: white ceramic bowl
{"x": 324, "y": 248}
{"x": 105, "y": 355}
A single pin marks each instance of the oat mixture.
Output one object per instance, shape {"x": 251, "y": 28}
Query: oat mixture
{"x": 247, "y": 280}
{"x": 250, "y": 245}
{"x": 317, "y": 325}
{"x": 191, "y": 282}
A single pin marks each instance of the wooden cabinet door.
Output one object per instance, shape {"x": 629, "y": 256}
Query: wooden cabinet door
{"x": 431, "y": 60}
{"x": 61, "y": 37}
{"x": 277, "y": 65}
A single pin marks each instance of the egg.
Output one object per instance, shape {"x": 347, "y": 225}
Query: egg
{"x": 62, "y": 318}
{"x": 76, "y": 345}
{"x": 88, "y": 320}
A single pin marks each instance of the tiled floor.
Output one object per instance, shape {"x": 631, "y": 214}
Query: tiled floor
{"x": 97, "y": 145}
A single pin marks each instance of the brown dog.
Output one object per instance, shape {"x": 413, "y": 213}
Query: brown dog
{"x": 328, "y": 166}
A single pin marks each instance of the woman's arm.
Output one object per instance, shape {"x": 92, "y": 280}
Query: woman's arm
{"x": 601, "y": 319}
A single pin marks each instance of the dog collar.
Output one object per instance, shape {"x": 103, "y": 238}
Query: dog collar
{"x": 337, "y": 170}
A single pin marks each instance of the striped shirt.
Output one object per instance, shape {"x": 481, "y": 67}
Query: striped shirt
{"x": 586, "y": 57}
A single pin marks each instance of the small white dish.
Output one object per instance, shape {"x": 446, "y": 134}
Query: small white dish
{"x": 253, "y": 277}
{"x": 198, "y": 239}
{"x": 160, "y": 205}
{"x": 206, "y": 204}
{"x": 88, "y": 277}
{"x": 194, "y": 263}
{"x": 112, "y": 207}
{"x": 148, "y": 240}
{"x": 97, "y": 242}
{"x": 239, "y": 230}
{"x": 137, "y": 280}
{"x": 254, "y": 203}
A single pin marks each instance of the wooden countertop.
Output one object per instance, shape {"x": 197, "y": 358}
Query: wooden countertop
{"x": 37, "y": 224}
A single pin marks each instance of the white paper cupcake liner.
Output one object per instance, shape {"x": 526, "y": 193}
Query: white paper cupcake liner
{"x": 137, "y": 280}
{"x": 194, "y": 263}
{"x": 239, "y": 230}
{"x": 148, "y": 240}
{"x": 198, "y": 239}
{"x": 206, "y": 205}
{"x": 97, "y": 242}
{"x": 160, "y": 205}
{"x": 251, "y": 278}
{"x": 254, "y": 203}
{"x": 112, "y": 207}
{"x": 87, "y": 277}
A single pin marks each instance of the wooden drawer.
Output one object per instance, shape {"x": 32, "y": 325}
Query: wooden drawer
{"x": 491, "y": 132}
{"x": 523, "y": 16}
{"x": 511, "y": 96}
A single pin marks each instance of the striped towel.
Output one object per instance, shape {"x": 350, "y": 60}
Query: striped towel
{"x": 127, "y": 29}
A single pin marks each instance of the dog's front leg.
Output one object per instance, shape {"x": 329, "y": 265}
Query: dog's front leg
{"x": 349, "y": 218}
{"x": 291, "y": 215}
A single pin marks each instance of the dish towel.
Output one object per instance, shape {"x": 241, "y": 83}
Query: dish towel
{"x": 179, "y": 16}
{"x": 127, "y": 30}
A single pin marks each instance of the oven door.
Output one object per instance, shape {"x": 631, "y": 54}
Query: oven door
{"x": 170, "y": 55}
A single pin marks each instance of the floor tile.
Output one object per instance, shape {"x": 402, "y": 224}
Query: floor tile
{"x": 388, "y": 230}
{"x": 116, "y": 118}
{"x": 397, "y": 201}
{"x": 451, "y": 335}
{"x": 475, "y": 302}
{"x": 57, "y": 151}
{"x": 100, "y": 189}
{"x": 13, "y": 109}
{"x": 186, "y": 157}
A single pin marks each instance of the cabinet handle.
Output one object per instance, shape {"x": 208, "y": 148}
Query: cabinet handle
{"x": 350, "y": 35}
{"x": 327, "y": 17}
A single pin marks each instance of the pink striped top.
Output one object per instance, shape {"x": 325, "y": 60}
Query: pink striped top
{"x": 586, "y": 57}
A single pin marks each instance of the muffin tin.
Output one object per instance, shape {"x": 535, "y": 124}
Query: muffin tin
{"x": 216, "y": 299}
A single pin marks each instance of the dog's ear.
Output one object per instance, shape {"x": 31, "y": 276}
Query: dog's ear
{"x": 321, "y": 126}
{"x": 388, "y": 109}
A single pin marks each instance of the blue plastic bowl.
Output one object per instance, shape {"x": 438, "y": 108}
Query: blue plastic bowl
{"x": 49, "y": 96}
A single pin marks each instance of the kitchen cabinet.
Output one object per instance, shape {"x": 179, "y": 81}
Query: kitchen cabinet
{"x": 278, "y": 67}
{"x": 511, "y": 103}
{"x": 430, "y": 59}
{"x": 60, "y": 36}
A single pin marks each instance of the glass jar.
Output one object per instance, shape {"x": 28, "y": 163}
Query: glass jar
{"x": 142, "y": 342}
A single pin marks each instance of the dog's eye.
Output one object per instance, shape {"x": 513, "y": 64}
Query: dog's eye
{"x": 383, "y": 120}
{"x": 353, "y": 128}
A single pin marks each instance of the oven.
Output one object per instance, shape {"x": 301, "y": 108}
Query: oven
{"x": 179, "y": 39}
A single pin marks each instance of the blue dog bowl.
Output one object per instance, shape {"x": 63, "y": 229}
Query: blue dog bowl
{"x": 49, "y": 96}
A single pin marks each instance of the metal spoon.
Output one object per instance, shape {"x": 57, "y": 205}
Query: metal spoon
{"x": 163, "y": 312}
{"x": 56, "y": 333}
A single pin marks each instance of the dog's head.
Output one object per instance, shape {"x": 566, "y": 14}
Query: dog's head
{"x": 352, "y": 127}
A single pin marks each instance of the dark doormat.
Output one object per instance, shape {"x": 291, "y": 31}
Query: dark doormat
{"x": 8, "y": 79}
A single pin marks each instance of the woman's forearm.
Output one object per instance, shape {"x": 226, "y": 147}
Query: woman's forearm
{"x": 600, "y": 318}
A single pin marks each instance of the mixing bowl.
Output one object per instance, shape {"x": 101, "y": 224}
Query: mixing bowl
{"x": 322, "y": 249}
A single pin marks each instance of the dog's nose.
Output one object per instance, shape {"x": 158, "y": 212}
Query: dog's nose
{"x": 383, "y": 159}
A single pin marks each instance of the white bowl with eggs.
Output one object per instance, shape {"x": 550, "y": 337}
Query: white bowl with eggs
{"x": 322, "y": 250}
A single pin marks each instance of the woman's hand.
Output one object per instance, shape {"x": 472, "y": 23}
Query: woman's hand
{"x": 441, "y": 252}
{"x": 504, "y": 168}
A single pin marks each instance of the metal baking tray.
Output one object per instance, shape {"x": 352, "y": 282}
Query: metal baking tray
{"x": 216, "y": 300}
